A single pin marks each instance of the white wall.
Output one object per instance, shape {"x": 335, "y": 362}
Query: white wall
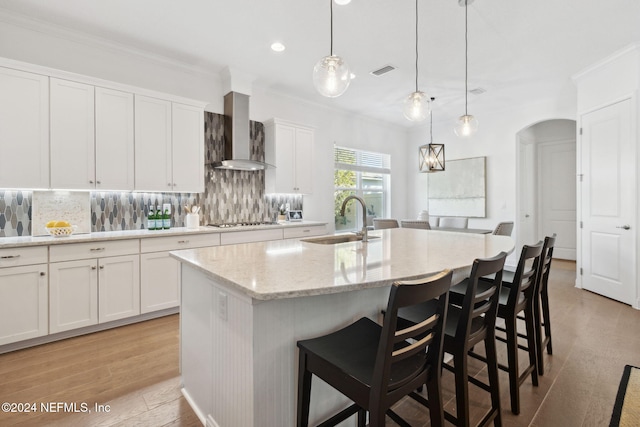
{"x": 52, "y": 47}
{"x": 495, "y": 139}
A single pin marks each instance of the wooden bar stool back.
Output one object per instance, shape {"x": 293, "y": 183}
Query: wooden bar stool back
{"x": 541, "y": 307}
{"x": 375, "y": 366}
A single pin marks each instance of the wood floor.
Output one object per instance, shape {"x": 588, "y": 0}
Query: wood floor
{"x": 134, "y": 370}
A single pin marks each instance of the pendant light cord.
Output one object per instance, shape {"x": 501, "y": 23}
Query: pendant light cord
{"x": 331, "y": 9}
{"x": 466, "y": 55}
{"x": 416, "y": 45}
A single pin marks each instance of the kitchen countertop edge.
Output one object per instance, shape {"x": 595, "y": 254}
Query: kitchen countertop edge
{"x": 25, "y": 241}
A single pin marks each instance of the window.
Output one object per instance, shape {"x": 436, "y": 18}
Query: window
{"x": 366, "y": 175}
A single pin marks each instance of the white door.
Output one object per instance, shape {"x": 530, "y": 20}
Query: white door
{"x": 73, "y": 161}
{"x": 304, "y": 161}
{"x": 188, "y": 148}
{"x": 608, "y": 197}
{"x": 557, "y": 179}
{"x": 152, "y": 144}
{"x": 118, "y": 287}
{"x": 73, "y": 295}
{"x": 114, "y": 140}
{"x": 23, "y": 303}
{"x": 526, "y": 224}
{"x": 159, "y": 282}
{"x": 24, "y": 129}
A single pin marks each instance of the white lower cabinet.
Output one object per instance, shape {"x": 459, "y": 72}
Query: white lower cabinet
{"x": 160, "y": 273}
{"x": 73, "y": 295}
{"x": 118, "y": 287}
{"x": 23, "y": 303}
{"x": 94, "y": 290}
{"x": 160, "y": 282}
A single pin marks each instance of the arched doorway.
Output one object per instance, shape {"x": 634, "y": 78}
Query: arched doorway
{"x": 546, "y": 185}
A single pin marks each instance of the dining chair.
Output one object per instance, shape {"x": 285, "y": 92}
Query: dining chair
{"x": 415, "y": 223}
{"x": 376, "y": 366}
{"x": 434, "y": 221}
{"x": 453, "y": 222}
{"x": 467, "y": 325}
{"x": 503, "y": 228}
{"x": 382, "y": 223}
{"x": 517, "y": 298}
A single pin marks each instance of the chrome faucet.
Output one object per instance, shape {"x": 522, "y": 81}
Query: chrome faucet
{"x": 363, "y": 233}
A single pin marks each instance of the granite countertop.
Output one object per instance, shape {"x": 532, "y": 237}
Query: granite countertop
{"x": 11, "y": 242}
{"x": 295, "y": 268}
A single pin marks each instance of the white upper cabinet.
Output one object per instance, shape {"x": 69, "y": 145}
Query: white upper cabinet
{"x": 24, "y": 129}
{"x": 72, "y": 135}
{"x": 289, "y": 148}
{"x": 187, "y": 148}
{"x": 114, "y": 140}
{"x": 91, "y": 137}
{"x": 153, "y": 144}
{"x": 169, "y": 146}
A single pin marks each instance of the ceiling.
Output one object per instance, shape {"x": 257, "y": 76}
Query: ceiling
{"x": 518, "y": 50}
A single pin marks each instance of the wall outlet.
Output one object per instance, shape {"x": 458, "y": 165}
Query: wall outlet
{"x": 222, "y": 305}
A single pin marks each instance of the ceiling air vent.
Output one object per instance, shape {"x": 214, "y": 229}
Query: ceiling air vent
{"x": 477, "y": 91}
{"x": 384, "y": 70}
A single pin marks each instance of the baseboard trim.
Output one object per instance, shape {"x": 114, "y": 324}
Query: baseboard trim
{"x": 19, "y": 345}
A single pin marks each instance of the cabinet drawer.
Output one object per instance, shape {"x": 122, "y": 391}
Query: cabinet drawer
{"x": 14, "y": 257}
{"x": 172, "y": 243}
{"x": 298, "y": 232}
{"x": 94, "y": 250}
{"x": 234, "y": 237}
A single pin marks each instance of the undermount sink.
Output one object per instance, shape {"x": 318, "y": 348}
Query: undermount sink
{"x": 337, "y": 238}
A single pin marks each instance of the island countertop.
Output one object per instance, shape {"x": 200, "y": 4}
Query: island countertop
{"x": 295, "y": 268}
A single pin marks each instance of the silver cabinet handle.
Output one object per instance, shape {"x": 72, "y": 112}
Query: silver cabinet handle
{"x": 93, "y": 267}
{"x": 624, "y": 227}
{"x": 90, "y": 182}
{"x": 102, "y": 267}
{"x": 42, "y": 273}
{"x": 9, "y": 256}
{"x": 169, "y": 184}
{"x": 96, "y": 249}
{"x": 98, "y": 182}
{"x": 527, "y": 216}
{"x": 183, "y": 241}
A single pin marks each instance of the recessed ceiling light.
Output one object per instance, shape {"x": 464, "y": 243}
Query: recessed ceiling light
{"x": 342, "y": 2}
{"x": 353, "y": 76}
{"x": 277, "y": 47}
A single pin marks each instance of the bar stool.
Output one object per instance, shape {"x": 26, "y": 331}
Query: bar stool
{"x": 541, "y": 307}
{"x": 503, "y": 228}
{"x": 466, "y": 326}
{"x": 375, "y": 366}
{"x": 516, "y": 297}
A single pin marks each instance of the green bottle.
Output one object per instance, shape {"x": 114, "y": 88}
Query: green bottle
{"x": 166, "y": 219}
{"x": 151, "y": 219}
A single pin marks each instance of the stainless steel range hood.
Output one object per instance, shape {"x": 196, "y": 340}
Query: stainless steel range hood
{"x": 237, "y": 151}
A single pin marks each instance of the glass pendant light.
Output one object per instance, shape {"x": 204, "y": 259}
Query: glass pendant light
{"x": 467, "y": 125}
{"x": 431, "y": 156}
{"x": 416, "y": 105}
{"x": 331, "y": 74}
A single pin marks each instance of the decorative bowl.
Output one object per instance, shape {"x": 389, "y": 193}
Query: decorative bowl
{"x": 60, "y": 231}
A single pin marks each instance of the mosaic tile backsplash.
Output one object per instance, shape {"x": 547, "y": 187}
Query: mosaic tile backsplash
{"x": 229, "y": 196}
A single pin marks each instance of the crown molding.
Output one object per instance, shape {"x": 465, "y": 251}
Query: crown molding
{"x": 61, "y": 32}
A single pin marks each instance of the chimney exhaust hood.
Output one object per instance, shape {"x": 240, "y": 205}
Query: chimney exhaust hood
{"x": 237, "y": 151}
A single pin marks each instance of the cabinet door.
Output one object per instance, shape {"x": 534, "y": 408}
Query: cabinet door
{"x": 152, "y": 144}
{"x": 285, "y": 145}
{"x": 72, "y": 135}
{"x": 73, "y": 295}
{"x": 159, "y": 282}
{"x": 303, "y": 163}
{"x": 188, "y": 148}
{"x": 24, "y": 133}
{"x": 114, "y": 140}
{"x": 23, "y": 303}
{"x": 118, "y": 287}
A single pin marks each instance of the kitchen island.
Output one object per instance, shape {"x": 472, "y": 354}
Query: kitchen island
{"x": 245, "y": 306}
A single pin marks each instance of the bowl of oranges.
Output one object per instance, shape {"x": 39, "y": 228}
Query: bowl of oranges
{"x": 59, "y": 228}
